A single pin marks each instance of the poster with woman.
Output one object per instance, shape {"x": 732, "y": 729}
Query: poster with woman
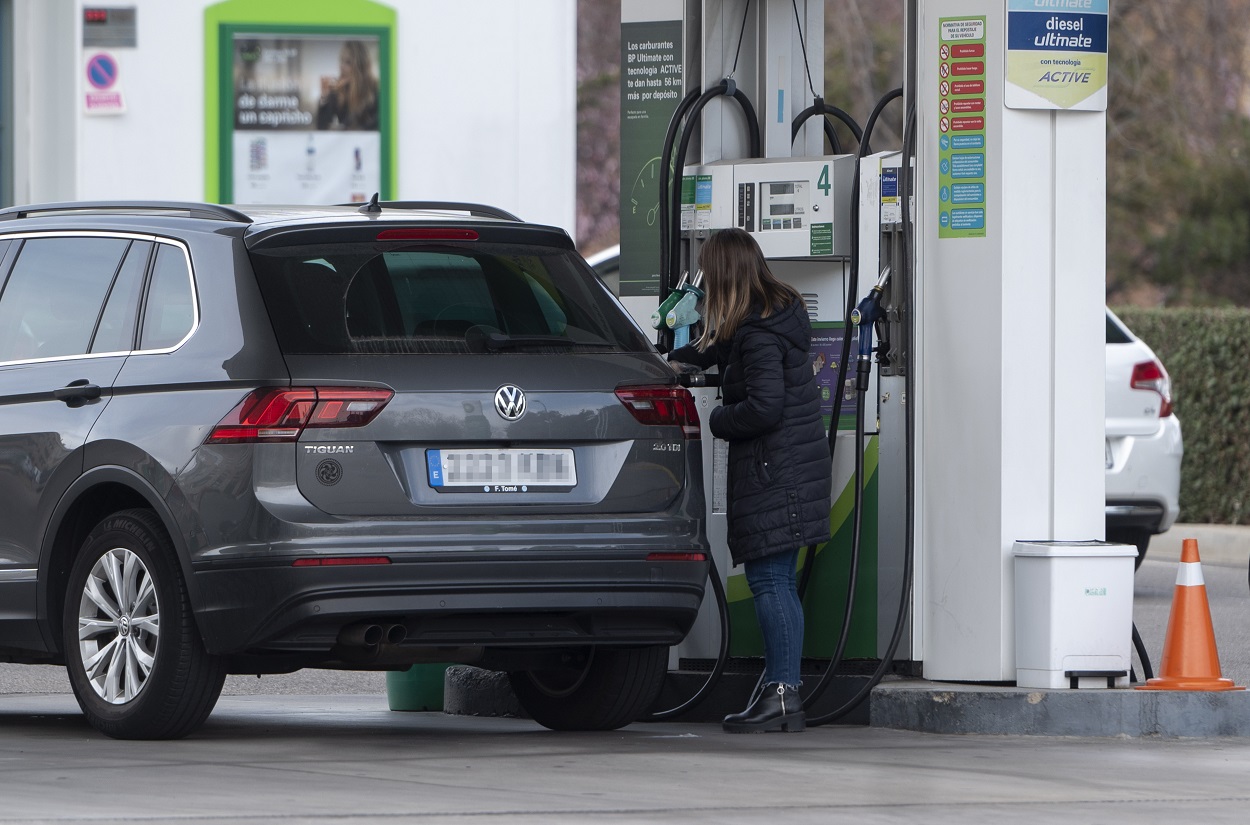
{"x": 306, "y": 117}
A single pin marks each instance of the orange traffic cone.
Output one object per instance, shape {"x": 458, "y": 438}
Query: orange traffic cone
{"x": 1190, "y": 659}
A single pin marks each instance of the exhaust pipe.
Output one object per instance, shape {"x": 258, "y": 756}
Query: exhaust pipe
{"x": 395, "y": 633}
{"x": 362, "y": 634}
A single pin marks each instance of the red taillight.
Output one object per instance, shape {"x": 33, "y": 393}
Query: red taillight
{"x": 676, "y": 557}
{"x": 340, "y": 561}
{"x": 1150, "y": 375}
{"x": 273, "y": 414}
{"x": 432, "y": 233}
{"x": 662, "y": 406}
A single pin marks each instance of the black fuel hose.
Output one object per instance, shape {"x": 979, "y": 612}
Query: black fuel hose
{"x": 722, "y": 656}
{"x": 906, "y": 275}
{"x": 1148, "y": 672}
{"x": 819, "y": 107}
{"x": 726, "y": 87}
{"x": 809, "y": 555}
{"x": 843, "y": 360}
{"x": 666, "y": 160}
{"x": 670, "y": 228}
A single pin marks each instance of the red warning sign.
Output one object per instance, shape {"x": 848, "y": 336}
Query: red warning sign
{"x": 968, "y": 68}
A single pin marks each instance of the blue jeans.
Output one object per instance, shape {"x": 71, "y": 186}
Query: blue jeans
{"x": 780, "y": 614}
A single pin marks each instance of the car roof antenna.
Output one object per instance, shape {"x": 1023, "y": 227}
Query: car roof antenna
{"x": 371, "y": 206}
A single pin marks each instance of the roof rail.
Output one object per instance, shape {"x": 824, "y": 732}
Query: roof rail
{"x": 477, "y": 210}
{"x": 211, "y": 211}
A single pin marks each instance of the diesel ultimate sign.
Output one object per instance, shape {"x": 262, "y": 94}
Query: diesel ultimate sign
{"x": 1057, "y": 54}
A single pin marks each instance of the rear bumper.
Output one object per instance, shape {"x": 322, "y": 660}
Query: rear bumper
{"x": 1144, "y": 478}
{"x": 462, "y": 599}
{"x": 1137, "y": 514}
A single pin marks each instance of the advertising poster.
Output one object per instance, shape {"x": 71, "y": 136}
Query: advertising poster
{"x": 1057, "y": 55}
{"x": 651, "y": 88}
{"x": 827, "y": 337}
{"x": 306, "y": 116}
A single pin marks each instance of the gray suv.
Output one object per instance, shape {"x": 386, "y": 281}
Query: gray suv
{"x": 256, "y": 441}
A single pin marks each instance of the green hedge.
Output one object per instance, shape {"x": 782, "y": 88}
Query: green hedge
{"x": 1205, "y": 352}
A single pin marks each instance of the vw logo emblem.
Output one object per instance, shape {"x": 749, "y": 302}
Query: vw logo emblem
{"x": 509, "y": 402}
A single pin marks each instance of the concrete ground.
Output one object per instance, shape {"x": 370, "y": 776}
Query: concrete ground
{"x": 335, "y": 759}
{"x": 323, "y": 747}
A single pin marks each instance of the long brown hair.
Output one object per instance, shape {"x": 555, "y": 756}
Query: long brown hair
{"x": 359, "y": 87}
{"x": 736, "y": 280}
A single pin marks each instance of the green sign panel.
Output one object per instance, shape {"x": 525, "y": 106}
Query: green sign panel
{"x": 822, "y": 238}
{"x": 651, "y": 88}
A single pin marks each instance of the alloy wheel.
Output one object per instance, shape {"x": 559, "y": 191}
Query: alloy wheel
{"x": 118, "y": 626}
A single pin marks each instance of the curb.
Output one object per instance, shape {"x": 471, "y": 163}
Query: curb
{"x": 471, "y": 691}
{"x": 932, "y": 707}
{"x": 1223, "y": 544}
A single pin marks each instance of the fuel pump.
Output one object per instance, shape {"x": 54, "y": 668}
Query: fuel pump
{"x": 798, "y": 206}
{"x": 943, "y": 226}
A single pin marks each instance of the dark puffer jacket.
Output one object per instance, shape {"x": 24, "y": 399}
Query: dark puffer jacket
{"x": 779, "y": 467}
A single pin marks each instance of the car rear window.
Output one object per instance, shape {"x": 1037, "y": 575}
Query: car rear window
{"x": 1116, "y": 334}
{"x": 353, "y": 298}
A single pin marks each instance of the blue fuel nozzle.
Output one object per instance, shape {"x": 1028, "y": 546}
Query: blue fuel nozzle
{"x": 865, "y": 316}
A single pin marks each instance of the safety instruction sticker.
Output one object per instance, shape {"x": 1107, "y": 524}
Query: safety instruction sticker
{"x": 1057, "y": 54}
{"x": 961, "y": 128}
{"x": 821, "y": 238}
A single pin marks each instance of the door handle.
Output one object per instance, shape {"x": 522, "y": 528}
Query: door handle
{"x": 77, "y": 393}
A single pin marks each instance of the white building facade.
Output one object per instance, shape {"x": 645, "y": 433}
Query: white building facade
{"x": 227, "y": 101}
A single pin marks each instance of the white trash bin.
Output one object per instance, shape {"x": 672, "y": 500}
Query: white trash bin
{"x": 1074, "y": 614}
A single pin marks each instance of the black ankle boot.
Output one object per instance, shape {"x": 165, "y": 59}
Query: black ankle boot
{"x": 778, "y": 708}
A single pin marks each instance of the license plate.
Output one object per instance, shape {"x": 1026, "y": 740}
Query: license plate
{"x": 501, "y": 471}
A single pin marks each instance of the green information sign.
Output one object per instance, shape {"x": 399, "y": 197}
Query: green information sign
{"x": 822, "y": 238}
{"x": 651, "y": 88}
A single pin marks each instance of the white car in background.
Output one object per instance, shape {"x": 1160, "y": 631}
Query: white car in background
{"x": 1144, "y": 445}
{"x": 1143, "y": 434}
{"x": 607, "y": 265}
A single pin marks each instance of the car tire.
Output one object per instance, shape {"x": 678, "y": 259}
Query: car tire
{"x": 1139, "y": 537}
{"x": 135, "y": 658}
{"x": 609, "y": 689}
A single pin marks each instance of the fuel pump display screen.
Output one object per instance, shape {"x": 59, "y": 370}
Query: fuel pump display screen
{"x": 785, "y": 205}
